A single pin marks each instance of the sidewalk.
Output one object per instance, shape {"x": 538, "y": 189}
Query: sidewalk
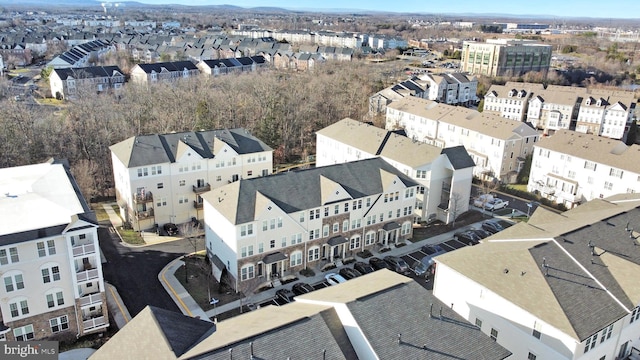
{"x": 150, "y": 238}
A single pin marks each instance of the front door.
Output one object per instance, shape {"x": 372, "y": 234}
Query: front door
{"x": 623, "y": 350}
{"x": 274, "y": 270}
{"x": 336, "y": 252}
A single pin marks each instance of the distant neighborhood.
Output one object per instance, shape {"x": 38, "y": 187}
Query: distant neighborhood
{"x": 397, "y": 238}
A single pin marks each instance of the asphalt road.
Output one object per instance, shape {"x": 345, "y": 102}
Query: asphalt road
{"x": 514, "y": 202}
{"x": 134, "y": 270}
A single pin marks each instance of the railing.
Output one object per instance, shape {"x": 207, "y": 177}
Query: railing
{"x": 80, "y": 250}
{"x": 143, "y": 197}
{"x": 91, "y": 299}
{"x": 93, "y": 323}
{"x": 87, "y": 275}
{"x": 141, "y": 215}
{"x": 197, "y": 205}
{"x": 201, "y": 189}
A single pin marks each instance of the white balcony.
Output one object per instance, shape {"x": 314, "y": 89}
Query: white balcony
{"x": 87, "y": 275}
{"x": 90, "y": 299}
{"x": 81, "y": 250}
{"x": 94, "y": 323}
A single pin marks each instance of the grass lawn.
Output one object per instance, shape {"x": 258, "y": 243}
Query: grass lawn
{"x": 520, "y": 187}
{"x": 100, "y": 213}
{"x": 50, "y": 101}
{"x": 201, "y": 285}
{"x": 131, "y": 237}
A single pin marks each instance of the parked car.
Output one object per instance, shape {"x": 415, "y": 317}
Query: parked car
{"x": 483, "y": 199}
{"x": 419, "y": 268}
{"x": 171, "y": 229}
{"x": 349, "y": 273}
{"x": 433, "y": 250}
{"x": 482, "y": 233}
{"x": 334, "y": 279}
{"x": 397, "y": 264}
{"x": 285, "y": 295}
{"x": 468, "y": 237}
{"x": 492, "y": 226}
{"x": 496, "y": 204}
{"x": 301, "y": 288}
{"x": 378, "y": 264}
{"x": 363, "y": 267}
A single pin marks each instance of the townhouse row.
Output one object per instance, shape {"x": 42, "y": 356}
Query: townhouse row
{"x": 601, "y": 112}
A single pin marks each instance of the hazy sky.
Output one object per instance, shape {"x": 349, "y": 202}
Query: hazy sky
{"x": 558, "y": 8}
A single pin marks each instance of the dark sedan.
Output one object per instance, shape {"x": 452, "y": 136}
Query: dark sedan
{"x": 397, "y": 264}
{"x": 301, "y": 288}
{"x": 363, "y": 267}
{"x": 378, "y": 263}
{"x": 349, "y": 273}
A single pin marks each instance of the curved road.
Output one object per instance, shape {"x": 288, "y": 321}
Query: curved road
{"x": 134, "y": 270}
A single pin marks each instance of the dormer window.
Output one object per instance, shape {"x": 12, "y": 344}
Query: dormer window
{"x": 588, "y": 102}
{"x": 512, "y": 92}
{"x": 599, "y": 103}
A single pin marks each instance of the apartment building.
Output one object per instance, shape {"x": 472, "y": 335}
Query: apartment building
{"x": 560, "y": 286}
{"x": 160, "y": 178}
{"x": 337, "y": 322}
{"x": 69, "y": 82}
{"x": 510, "y": 100}
{"x": 52, "y": 282}
{"x": 454, "y": 88}
{"x": 444, "y": 175}
{"x": 414, "y": 86}
{"x": 262, "y": 229}
{"x": 497, "y": 145}
{"x": 606, "y": 113}
{"x": 555, "y": 108}
{"x": 571, "y": 168}
{"x": 503, "y": 57}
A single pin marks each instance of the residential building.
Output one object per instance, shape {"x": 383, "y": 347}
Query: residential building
{"x": 454, "y": 88}
{"x": 233, "y": 65}
{"x": 498, "y": 146}
{"x": 262, "y": 229}
{"x": 378, "y": 41}
{"x": 571, "y": 167}
{"x": 159, "y": 178}
{"x": 52, "y": 282}
{"x": 69, "y": 82}
{"x": 444, "y": 175}
{"x": 555, "y": 108}
{"x": 606, "y": 112}
{"x": 503, "y": 57}
{"x": 560, "y": 286}
{"x": 163, "y": 72}
{"x": 510, "y": 100}
{"x": 338, "y": 322}
{"x": 413, "y": 86}
{"x": 82, "y": 54}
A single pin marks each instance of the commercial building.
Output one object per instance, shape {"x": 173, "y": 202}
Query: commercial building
{"x": 505, "y": 57}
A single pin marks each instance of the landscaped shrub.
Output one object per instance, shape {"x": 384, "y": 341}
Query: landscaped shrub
{"x": 364, "y": 254}
{"x": 307, "y": 272}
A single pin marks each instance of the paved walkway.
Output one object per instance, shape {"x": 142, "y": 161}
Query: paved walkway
{"x": 188, "y": 305}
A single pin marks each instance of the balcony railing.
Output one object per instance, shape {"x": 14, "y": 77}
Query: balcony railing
{"x": 87, "y": 275}
{"x": 143, "y": 197}
{"x": 197, "y": 205}
{"x": 141, "y": 215}
{"x": 83, "y": 249}
{"x": 201, "y": 189}
{"x": 90, "y": 299}
{"x": 94, "y": 323}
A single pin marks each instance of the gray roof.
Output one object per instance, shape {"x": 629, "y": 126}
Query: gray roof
{"x": 404, "y": 309}
{"x": 581, "y": 265}
{"x": 301, "y": 190}
{"x": 181, "y": 332}
{"x": 459, "y": 157}
{"x": 157, "y": 149}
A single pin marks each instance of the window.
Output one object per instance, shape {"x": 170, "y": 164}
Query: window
{"x": 156, "y": 170}
{"x": 608, "y": 185}
{"x": 590, "y": 165}
{"x": 355, "y": 243}
{"x": 325, "y": 231}
{"x": 19, "y": 308}
{"x": 181, "y": 182}
{"x": 494, "y": 334}
{"x": 260, "y": 248}
{"x": 336, "y": 227}
{"x": 272, "y": 224}
{"x": 616, "y": 173}
{"x": 161, "y": 202}
{"x": 635, "y": 314}
{"x": 479, "y": 323}
{"x": 54, "y": 299}
{"x": 345, "y": 225}
{"x": 536, "y": 334}
{"x": 247, "y": 272}
{"x": 50, "y": 274}
{"x": 531, "y": 356}
{"x": 49, "y": 249}
{"x": 249, "y": 173}
{"x": 58, "y": 324}
{"x": 336, "y": 208}
{"x": 302, "y": 216}
{"x": 23, "y": 333}
{"x": 13, "y": 282}
{"x": 591, "y": 342}
{"x": 265, "y": 225}
{"x": 272, "y": 244}
{"x": 9, "y": 257}
{"x": 246, "y": 230}
{"x": 314, "y": 254}
{"x": 606, "y": 333}
{"x": 295, "y": 259}
{"x": 160, "y": 185}
{"x": 296, "y": 239}
{"x": 346, "y": 207}
{"x": 243, "y": 252}
{"x": 370, "y": 238}
{"x": 182, "y": 199}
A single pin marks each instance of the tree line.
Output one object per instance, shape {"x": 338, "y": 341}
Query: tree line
{"x": 284, "y": 109}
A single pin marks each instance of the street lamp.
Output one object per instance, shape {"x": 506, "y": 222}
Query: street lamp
{"x": 213, "y": 302}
